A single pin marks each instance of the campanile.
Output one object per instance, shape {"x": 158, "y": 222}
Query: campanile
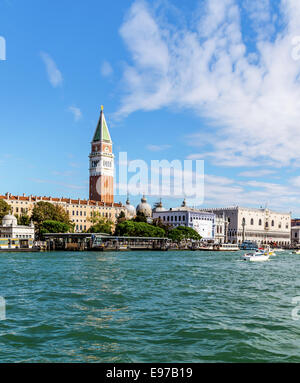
{"x": 102, "y": 164}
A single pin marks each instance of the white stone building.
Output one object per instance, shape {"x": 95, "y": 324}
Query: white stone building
{"x": 295, "y": 235}
{"x": 11, "y": 230}
{"x": 262, "y": 226}
{"x": 201, "y": 221}
{"x": 221, "y": 228}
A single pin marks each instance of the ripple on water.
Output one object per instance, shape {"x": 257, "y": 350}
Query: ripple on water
{"x": 148, "y": 307}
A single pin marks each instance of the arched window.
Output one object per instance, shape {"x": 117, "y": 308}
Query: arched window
{"x": 260, "y": 222}
{"x": 273, "y": 223}
{"x": 244, "y": 221}
{"x": 252, "y": 221}
{"x": 279, "y": 225}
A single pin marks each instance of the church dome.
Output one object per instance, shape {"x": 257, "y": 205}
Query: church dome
{"x": 130, "y": 208}
{"x": 9, "y": 220}
{"x": 159, "y": 207}
{"x": 144, "y": 207}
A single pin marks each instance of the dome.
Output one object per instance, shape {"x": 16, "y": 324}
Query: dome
{"x": 144, "y": 207}
{"x": 9, "y": 220}
{"x": 159, "y": 207}
{"x": 130, "y": 208}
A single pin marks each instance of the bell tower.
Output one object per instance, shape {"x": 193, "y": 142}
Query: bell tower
{"x": 102, "y": 164}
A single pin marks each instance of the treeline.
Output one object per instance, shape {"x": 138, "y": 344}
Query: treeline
{"x": 50, "y": 218}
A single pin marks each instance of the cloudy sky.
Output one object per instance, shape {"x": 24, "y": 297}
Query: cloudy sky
{"x": 202, "y": 80}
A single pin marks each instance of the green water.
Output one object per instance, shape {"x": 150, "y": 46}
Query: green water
{"x": 148, "y": 307}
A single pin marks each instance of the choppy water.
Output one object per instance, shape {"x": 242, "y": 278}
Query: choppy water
{"x": 148, "y": 307}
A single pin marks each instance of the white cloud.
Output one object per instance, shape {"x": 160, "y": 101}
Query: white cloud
{"x": 65, "y": 185}
{"x": 158, "y": 148}
{"x": 252, "y": 100}
{"x": 54, "y": 75}
{"x": 76, "y": 113}
{"x": 256, "y": 173}
{"x": 106, "y": 69}
{"x": 221, "y": 192}
{"x": 295, "y": 182}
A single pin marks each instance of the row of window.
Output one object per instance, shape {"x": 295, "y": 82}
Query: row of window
{"x": 22, "y": 210}
{"x": 17, "y": 236}
{"x": 267, "y": 223}
{"x": 173, "y": 218}
{"x": 219, "y": 230}
{"x": 107, "y": 215}
{"x": 80, "y": 227}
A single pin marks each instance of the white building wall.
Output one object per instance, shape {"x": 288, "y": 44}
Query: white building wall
{"x": 295, "y": 234}
{"x": 261, "y": 225}
{"x": 202, "y": 222}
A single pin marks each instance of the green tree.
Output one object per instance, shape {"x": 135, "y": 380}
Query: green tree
{"x": 50, "y": 226}
{"x": 23, "y": 219}
{"x": 4, "y": 208}
{"x": 158, "y": 222}
{"x": 95, "y": 217}
{"x": 181, "y": 233}
{"x": 122, "y": 217}
{"x": 140, "y": 217}
{"x": 46, "y": 211}
{"x": 138, "y": 229}
{"x": 102, "y": 226}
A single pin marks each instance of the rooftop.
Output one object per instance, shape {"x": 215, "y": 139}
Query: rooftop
{"x": 31, "y": 198}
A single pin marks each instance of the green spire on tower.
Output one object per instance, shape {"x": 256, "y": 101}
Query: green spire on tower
{"x": 102, "y": 132}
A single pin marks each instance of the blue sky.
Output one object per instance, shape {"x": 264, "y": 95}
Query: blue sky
{"x": 210, "y": 80}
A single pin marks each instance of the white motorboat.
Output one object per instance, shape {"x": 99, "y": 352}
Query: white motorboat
{"x": 258, "y": 256}
{"x": 268, "y": 251}
{"x": 296, "y": 252}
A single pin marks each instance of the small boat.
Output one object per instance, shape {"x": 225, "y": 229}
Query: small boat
{"x": 296, "y": 252}
{"x": 268, "y": 251}
{"x": 249, "y": 245}
{"x": 258, "y": 256}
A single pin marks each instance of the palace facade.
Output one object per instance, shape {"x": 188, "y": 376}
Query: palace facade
{"x": 80, "y": 211}
{"x": 262, "y": 226}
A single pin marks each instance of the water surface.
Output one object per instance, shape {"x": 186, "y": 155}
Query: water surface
{"x": 148, "y": 307}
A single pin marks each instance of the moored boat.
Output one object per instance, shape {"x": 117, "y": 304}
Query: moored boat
{"x": 228, "y": 247}
{"x": 248, "y": 245}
